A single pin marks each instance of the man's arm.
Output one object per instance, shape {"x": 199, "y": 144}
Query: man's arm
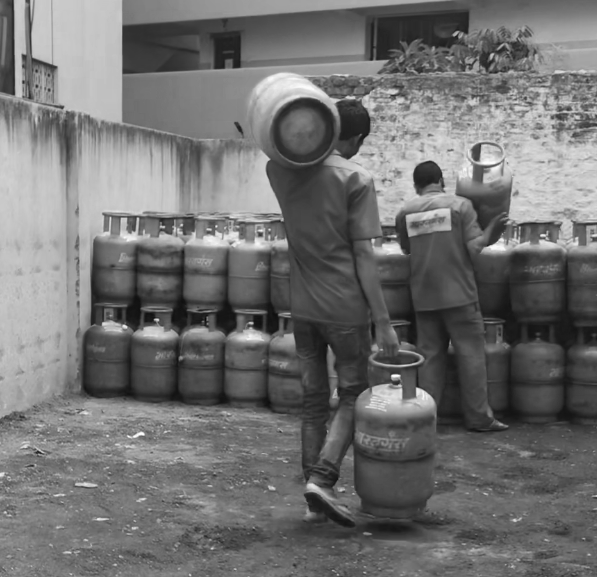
{"x": 475, "y": 238}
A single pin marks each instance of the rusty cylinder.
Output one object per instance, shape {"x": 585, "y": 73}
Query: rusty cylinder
{"x": 285, "y": 390}
{"x": 201, "y": 360}
{"x": 154, "y": 357}
{"x": 206, "y": 266}
{"x": 159, "y": 263}
{"x": 581, "y": 373}
{"x": 395, "y": 443}
{"x": 537, "y": 374}
{"x": 107, "y": 353}
{"x": 537, "y": 277}
{"x": 114, "y": 268}
{"x": 582, "y": 276}
{"x": 246, "y": 360}
{"x": 249, "y": 270}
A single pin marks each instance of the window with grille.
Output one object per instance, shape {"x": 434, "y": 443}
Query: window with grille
{"x": 433, "y": 29}
{"x": 7, "y": 60}
{"x": 44, "y": 82}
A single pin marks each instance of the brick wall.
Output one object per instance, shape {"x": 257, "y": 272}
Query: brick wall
{"x": 547, "y": 124}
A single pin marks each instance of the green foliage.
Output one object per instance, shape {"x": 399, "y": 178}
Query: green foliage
{"x": 487, "y": 50}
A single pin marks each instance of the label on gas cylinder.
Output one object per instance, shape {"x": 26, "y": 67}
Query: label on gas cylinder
{"x": 126, "y": 258}
{"x": 556, "y": 372}
{"x": 262, "y": 267}
{"x": 280, "y": 365}
{"x": 379, "y": 401}
{"x": 165, "y": 355}
{"x": 387, "y": 445}
{"x": 588, "y": 269}
{"x": 198, "y": 262}
{"x": 196, "y": 357}
{"x": 96, "y": 349}
{"x": 553, "y": 271}
{"x": 499, "y": 334}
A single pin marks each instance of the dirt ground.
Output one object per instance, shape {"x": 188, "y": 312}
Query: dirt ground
{"x": 215, "y": 492}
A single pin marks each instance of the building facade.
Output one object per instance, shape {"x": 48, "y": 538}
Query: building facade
{"x": 65, "y": 53}
{"x": 189, "y": 65}
{"x": 219, "y": 34}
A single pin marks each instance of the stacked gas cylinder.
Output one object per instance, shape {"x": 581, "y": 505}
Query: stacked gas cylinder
{"x": 194, "y": 287}
{"x": 543, "y": 291}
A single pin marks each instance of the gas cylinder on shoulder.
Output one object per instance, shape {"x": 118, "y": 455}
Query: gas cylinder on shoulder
{"x": 154, "y": 357}
{"x": 114, "y": 268}
{"x": 395, "y": 444}
{"x": 107, "y": 353}
{"x": 246, "y": 360}
{"x": 201, "y": 360}
{"x": 285, "y": 390}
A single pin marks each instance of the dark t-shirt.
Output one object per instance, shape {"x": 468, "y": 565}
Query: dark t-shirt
{"x": 325, "y": 209}
{"x": 438, "y": 230}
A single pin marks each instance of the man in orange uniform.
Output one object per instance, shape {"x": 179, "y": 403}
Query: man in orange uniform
{"x": 331, "y": 215}
{"x": 441, "y": 233}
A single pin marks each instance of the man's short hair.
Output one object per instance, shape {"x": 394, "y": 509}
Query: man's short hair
{"x": 354, "y": 119}
{"x": 427, "y": 173}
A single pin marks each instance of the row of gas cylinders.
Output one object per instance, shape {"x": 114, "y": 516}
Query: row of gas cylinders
{"x": 536, "y": 379}
{"x": 200, "y": 364}
{"x": 212, "y": 261}
{"x": 537, "y": 277}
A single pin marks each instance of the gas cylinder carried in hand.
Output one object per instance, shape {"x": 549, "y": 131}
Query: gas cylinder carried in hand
{"x": 487, "y": 184}
{"x": 537, "y": 372}
{"x": 280, "y": 270}
{"x": 114, "y": 269}
{"x": 154, "y": 357}
{"x": 582, "y": 275}
{"x": 107, "y": 353}
{"x": 295, "y": 123}
{"x": 537, "y": 277}
{"x": 245, "y": 360}
{"x": 395, "y": 444}
{"x": 394, "y": 275}
{"x": 581, "y": 373}
{"x": 201, "y": 360}
{"x": 249, "y": 269}
{"x": 285, "y": 390}
{"x": 159, "y": 263}
{"x": 206, "y": 266}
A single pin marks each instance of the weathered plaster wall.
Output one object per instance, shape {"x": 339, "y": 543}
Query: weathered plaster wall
{"x": 58, "y": 172}
{"x": 547, "y": 124}
{"x": 33, "y": 267}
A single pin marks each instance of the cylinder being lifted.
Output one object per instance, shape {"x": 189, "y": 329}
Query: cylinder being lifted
{"x": 293, "y": 122}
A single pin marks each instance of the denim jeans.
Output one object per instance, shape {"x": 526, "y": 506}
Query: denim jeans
{"x": 323, "y": 450}
{"x": 464, "y": 326}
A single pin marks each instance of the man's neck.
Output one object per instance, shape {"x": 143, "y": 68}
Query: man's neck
{"x": 432, "y": 189}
